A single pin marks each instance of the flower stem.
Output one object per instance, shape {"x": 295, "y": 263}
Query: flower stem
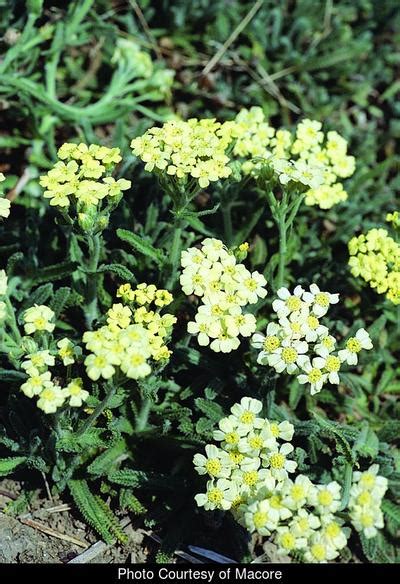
{"x": 282, "y": 251}
{"x": 12, "y": 321}
{"x": 99, "y": 409}
{"x": 143, "y": 416}
{"x": 176, "y": 246}
{"x": 91, "y": 308}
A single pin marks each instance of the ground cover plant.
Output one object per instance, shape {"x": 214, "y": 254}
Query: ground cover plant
{"x": 200, "y": 280}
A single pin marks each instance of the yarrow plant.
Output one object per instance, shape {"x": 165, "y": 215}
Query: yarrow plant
{"x": 225, "y": 287}
{"x": 252, "y": 474}
{"x": 107, "y": 392}
{"x": 299, "y": 344}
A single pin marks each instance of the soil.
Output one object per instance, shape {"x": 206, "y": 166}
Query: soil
{"x": 22, "y": 543}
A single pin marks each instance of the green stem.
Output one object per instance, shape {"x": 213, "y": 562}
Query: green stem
{"x": 176, "y": 247}
{"x": 12, "y": 321}
{"x": 97, "y": 411}
{"x": 143, "y": 416}
{"x": 91, "y": 308}
{"x": 282, "y": 251}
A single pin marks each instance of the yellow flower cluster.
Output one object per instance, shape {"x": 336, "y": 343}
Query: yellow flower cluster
{"x": 82, "y": 176}
{"x": 41, "y": 384}
{"x": 193, "y": 149}
{"x": 308, "y": 157}
{"x": 159, "y": 327}
{"x": 5, "y": 204}
{"x": 132, "y": 336}
{"x": 225, "y": 288}
{"x": 375, "y": 256}
{"x": 366, "y": 496}
{"x": 251, "y": 474}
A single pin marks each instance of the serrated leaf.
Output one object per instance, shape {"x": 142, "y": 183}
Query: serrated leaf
{"x": 60, "y": 300}
{"x": 122, "y": 272}
{"x": 54, "y": 272}
{"x": 38, "y": 296}
{"x": 141, "y": 244}
{"x": 212, "y": 410}
{"x": 9, "y": 465}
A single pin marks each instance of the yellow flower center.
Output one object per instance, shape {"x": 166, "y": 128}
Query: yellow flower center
{"x": 303, "y": 524}
{"x": 100, "y": 361}
{"x": 353, "y": 345}
{"x": 327, "y": 342}
{"x": 277, "y": 460}
{"x": 275, "y": 502}
{"x": 289, "y": 355}
{"x": 236, "y": 457}
{"x": 296, "y": 327}
{"x": 260, "y": 518}
{"x": 232, "y": 438}
{"x": 36, "y": 381}
{"x": 318, "y": 551}
{"x": 325, "y": 497}
{"x": 74, "y": 389}
{"x": 250, "y": 478}
{"x": 332, "y": 530}
{"x": 313, "y": 322}
{"x": 247, "y": 417}
{"x": 37, "y": 360}
{"x": 48, "y": 394}
{"x": 298, "y": 492}
{"x": 271, "y": 343}
{"x": 315, "y": 375}
{"x": 322, "y": 299}
{"x": 288, "y": 541}
{"x": 367, "y": 520}
{"x": 293, "y": 303}
{"x": 136, "y": 359}
{"x": 213, "y": 466}
{"x": 40, "y": 323}
{"x": 364, "y": 498}
{"x": 332, "y": 364}
{"x": 215, "y": 496}
{"x": 251, "y": 284}
{"x": 256, "y": 442}
{"x": 274, "y": 429}
{"x": 367, "y": 480}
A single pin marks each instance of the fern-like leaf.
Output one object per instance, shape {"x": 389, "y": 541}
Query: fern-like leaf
{"x": 91, "y": 510}
{"x": 130, "y": 502}
{"x": 9, "y": 465}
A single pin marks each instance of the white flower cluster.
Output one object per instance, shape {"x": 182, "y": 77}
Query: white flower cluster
{"x": 251, "y": 474}
{"x": 42, "y": 385}
{"x": 366, "y": 496}
{"x": 225, "y": 287}
{"x": 300, "y": 345}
